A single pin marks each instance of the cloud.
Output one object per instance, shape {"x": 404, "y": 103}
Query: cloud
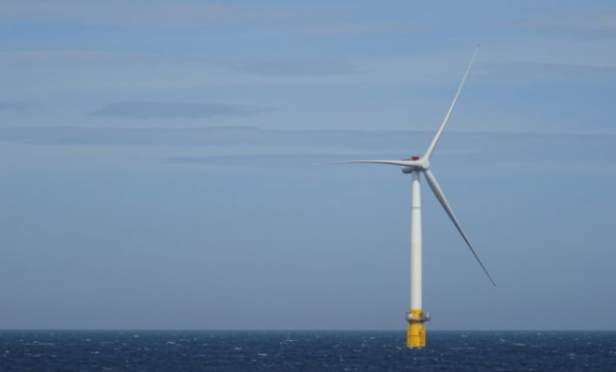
{"x": 141, "y": 12}
{"x": 13, "y": 106}
{"x": 297, "y": 67}
{"x": 258, "y": 160}
{"x": 526, "y": 163}
{"x": 547, "y": 71}
{"x": 594, "y": 24}
{"x": 359, "y": 27}
{"x": 61, "y": 56}
{"x": 306, "y": 20}
{"x": 401, "y": 142}
{"x": 172, "y": 110}
{"x": 215, "y": 136}
{"x": 490, "y": 153}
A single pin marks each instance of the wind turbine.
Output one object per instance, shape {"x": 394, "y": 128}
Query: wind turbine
{"x": 416, "y": 333}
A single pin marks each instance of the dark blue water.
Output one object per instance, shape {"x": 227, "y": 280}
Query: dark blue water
{"x": 23, "y": 351}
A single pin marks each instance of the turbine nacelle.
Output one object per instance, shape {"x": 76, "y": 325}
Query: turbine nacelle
{"x": 420, "y": 164}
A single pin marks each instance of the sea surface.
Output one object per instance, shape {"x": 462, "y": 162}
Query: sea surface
{"x": 306, "y": 351}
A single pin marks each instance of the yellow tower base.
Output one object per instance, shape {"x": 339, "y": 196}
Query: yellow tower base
{"x": 416, "y": 333}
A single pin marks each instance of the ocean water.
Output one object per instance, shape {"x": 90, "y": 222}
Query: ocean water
{"x": 170, "y": 351}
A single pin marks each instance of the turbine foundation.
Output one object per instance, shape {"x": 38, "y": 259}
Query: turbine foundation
{"x": 416, "y": 332}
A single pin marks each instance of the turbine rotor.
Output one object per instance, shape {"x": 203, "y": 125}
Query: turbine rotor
{"x": 422, "y": 164}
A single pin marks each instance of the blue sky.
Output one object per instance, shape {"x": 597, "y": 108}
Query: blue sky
{"x": 158, "y": 163}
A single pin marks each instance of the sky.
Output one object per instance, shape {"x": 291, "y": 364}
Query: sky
{"x": 162, "y": 163}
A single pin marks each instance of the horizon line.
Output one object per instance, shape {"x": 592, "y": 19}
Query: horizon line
{"x": 282, "y": 330}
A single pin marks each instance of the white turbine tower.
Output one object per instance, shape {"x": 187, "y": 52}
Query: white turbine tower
{"x": 416, "y": 335}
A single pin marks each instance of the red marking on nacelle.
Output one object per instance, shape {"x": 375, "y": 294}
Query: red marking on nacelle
{"x": 414, "y": 158}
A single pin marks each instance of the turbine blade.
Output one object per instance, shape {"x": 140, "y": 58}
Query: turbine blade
{"x": 441, "y": 198}
{"x": 401, "y": 163}
{"x": 430, "y": 150}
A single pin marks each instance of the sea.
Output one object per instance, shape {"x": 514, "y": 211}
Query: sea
{"x": 305, "y": 351}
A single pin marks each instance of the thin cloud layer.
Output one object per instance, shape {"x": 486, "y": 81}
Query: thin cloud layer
{"x": 403, "y": 143}
{"x": 244, "y": 146}
{"x": 491, "y": 154}
{"x": 297, "y": 67}
{"x": 139, "y": 12}
{"x": 213, "y": 136}
{"x": 173, "y": 110}
{"x": 589, "y": 23}
{"x": 307, "y": 20}
{"x": 258, "y": 160}
{"x": 554, "y": 71}
{"x": 13, "y": 106}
